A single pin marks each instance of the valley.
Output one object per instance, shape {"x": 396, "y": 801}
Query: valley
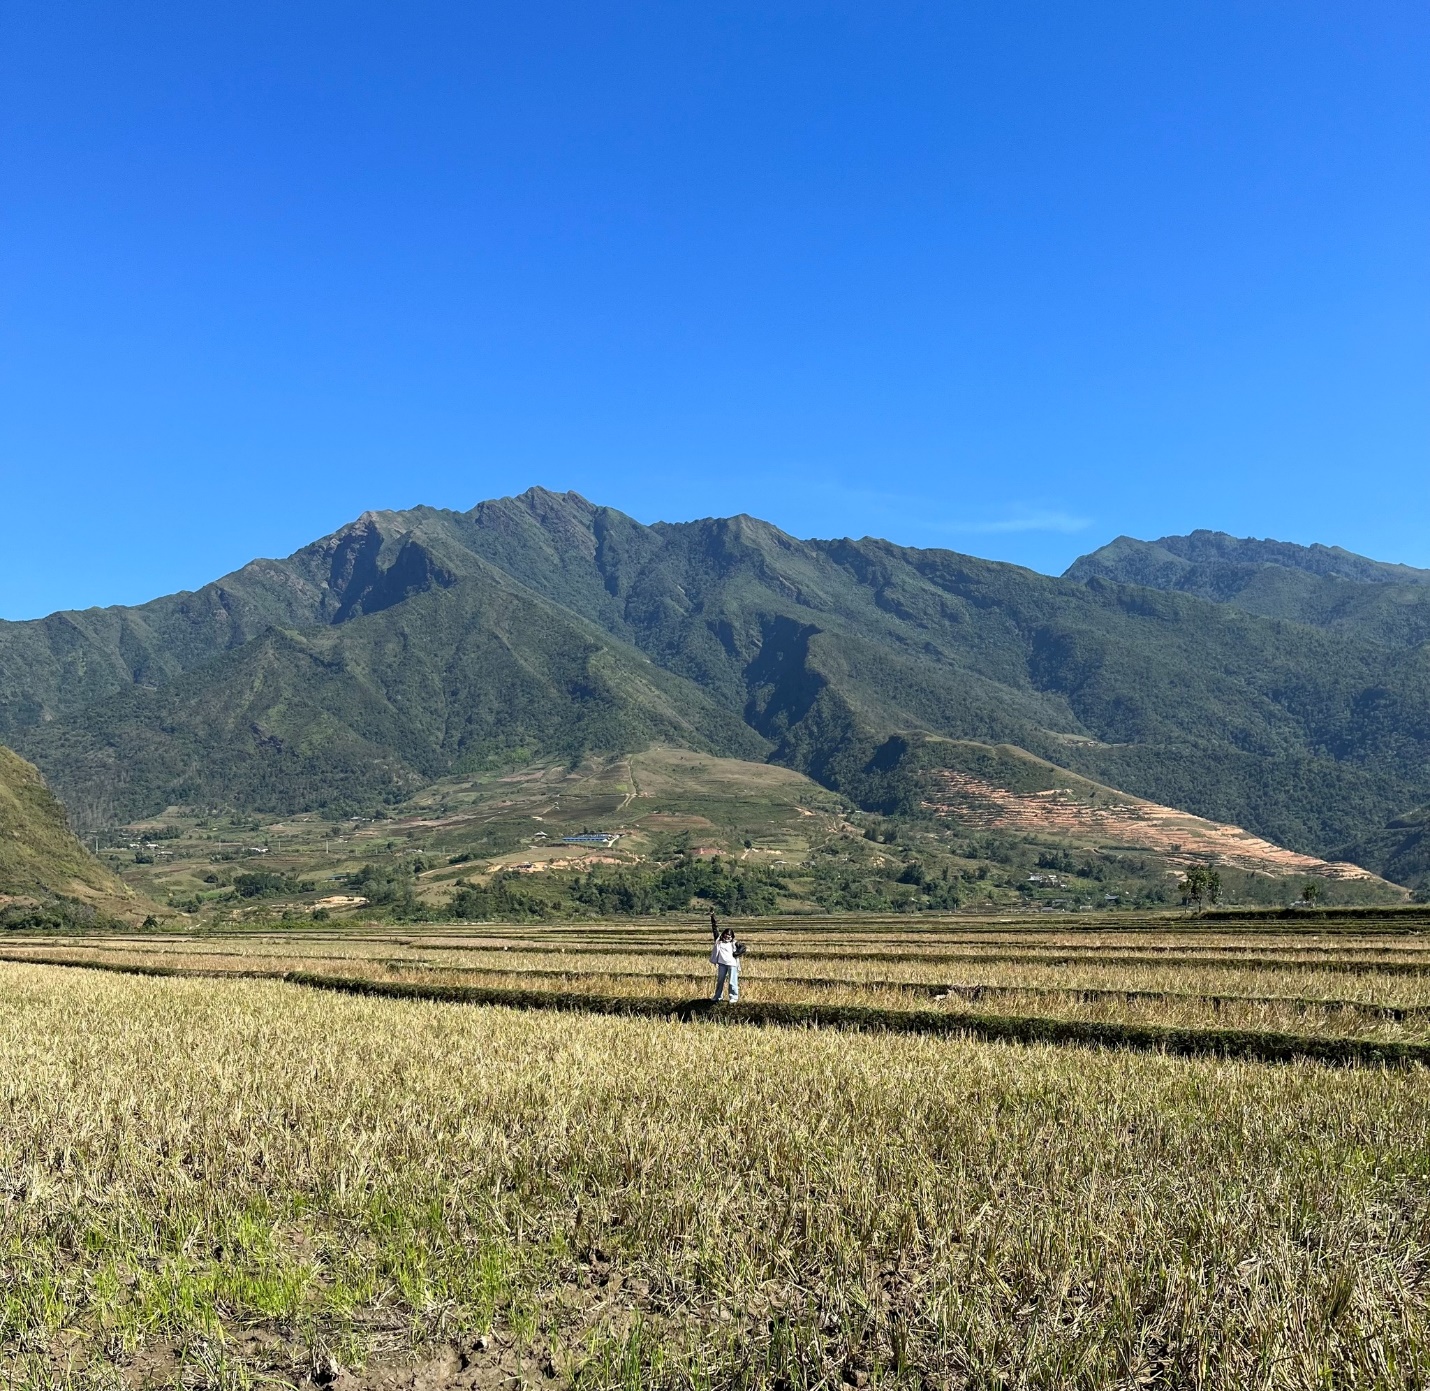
{"x": 430, "y": 654}
{"x": 553, "y": 842}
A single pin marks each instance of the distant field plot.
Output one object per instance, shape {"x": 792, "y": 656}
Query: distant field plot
{"x": 218, "y": 1175}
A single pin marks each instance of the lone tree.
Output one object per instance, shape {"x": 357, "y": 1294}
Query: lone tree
{"x": 1311, "y": 894}
{"x": 1202, "y": 885}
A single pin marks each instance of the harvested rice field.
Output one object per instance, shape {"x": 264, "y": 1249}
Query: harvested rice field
{"x": 953, "y": 1155}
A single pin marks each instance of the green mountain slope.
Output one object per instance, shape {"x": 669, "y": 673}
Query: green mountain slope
{"x": 1399, "y": 852}
{"x": 54, "y": 666}
{"x": 413, "y": 645}
{"x": 342, "y": 715}
{"x": 1320, "y": 585}
{"x": 1171, "y": 561}
{"x": 40, "y": 859}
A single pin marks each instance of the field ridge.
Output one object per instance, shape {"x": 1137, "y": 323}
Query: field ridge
{"x": 1248, "y": 1045}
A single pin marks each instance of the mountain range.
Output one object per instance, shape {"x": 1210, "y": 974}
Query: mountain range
{"x": 1280, "y": 688}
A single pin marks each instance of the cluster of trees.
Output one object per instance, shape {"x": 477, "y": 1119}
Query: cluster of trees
{"x": 1201, "y": 886}
{"x": 897, "y": 886}
{"x": 504, "y": 896}
{"x": 626, "y": 892}
{"x": 263, "y": 883}
{"x": 730, "y": 890}
{"x": 1065, "y": 862}
{"x": 391, "y": 887}
{"x": 733, "y": 890}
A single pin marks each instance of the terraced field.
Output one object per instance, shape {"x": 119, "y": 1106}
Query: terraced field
{"x": 1367, "y": 980}
{"x": 959, "y": 1154}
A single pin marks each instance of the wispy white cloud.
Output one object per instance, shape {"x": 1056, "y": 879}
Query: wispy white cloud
{"x": 1063, "y": 522}
{"x": 895, "y": 513}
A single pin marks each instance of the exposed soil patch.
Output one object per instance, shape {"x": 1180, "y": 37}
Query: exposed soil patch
{"x": 481, "y": 1363}
{"x": 598, "y": 1300}
{"x": 1127, "y": 823}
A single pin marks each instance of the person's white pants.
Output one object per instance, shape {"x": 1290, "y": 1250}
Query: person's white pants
{"x": 731, "y": 974}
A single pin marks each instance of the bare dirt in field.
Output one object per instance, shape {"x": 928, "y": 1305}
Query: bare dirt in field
{"x": 597, "y": 1299}
{"x": 1127, "y": 823}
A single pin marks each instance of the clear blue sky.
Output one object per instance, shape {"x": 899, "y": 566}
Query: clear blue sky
{"x": 1007, "y": 277}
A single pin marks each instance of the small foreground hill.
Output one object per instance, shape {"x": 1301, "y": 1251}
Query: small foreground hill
{"x": 42, "y": 863}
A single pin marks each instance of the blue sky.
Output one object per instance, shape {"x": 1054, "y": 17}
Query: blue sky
{"x": 1011, "y": 278}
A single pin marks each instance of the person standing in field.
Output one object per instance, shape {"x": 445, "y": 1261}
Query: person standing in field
{"x": 725, "y": 956}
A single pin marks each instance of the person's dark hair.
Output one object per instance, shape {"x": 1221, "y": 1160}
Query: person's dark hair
{"x": 727, "y": 933}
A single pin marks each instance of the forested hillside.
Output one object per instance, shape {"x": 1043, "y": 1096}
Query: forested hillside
{"x": 411, "y": 645}
{"x": 1399, "y": 852}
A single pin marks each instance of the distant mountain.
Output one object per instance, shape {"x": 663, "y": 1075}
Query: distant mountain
{"x": 411, "y": 645}
{"x": 40, "y": 859}
{"x": 1162, "y": 562}
{"x": 1324, "y": 586}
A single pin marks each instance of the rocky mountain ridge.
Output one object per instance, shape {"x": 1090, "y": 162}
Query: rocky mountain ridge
{"x": 408, "y": 645}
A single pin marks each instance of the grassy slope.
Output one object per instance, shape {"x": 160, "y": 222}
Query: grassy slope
{"x": 343, "y": 716}
{"x": 39, "y": 855}
{"x": 489, "y": 820}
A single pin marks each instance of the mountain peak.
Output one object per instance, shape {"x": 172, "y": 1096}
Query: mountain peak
{"x": 547, "y": 506}
{"x": 1169, "y": 562}
{"x": 536, "y": 493}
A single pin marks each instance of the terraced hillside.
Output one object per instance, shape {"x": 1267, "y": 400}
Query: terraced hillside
{"x": 1006, "y": 789}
